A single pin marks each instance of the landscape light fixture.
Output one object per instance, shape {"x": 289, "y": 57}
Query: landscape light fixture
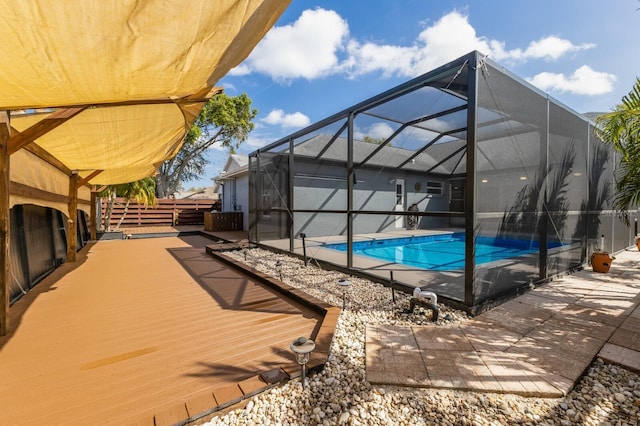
{"x": 304, "y": 247}
{"x": 302, "y": 347}
{"x": 279, "y": 269}
{"x": 345, "y": 284}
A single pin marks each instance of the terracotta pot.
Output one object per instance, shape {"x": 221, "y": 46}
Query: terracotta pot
{"x": 601, "y": 262}
{"x": 638, "y": 244}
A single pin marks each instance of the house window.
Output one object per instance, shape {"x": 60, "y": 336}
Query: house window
{"x": 434, "y": 188}
{"x": 399, "y": 194}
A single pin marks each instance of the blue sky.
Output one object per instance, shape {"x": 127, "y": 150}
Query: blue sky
{"x": 324, "y": 56}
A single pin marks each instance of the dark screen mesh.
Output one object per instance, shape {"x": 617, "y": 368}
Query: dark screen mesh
{"x": 19, "y": 277}
{"x": 38, "y": 237}
{"x": 541, "y": 187}
{"x": 567, "y": 190}
{"x": 38, "y": 244}
{"x": 273, "y": 195}
{"x": 511, "y": 172}
{"x": 59, "y": 236}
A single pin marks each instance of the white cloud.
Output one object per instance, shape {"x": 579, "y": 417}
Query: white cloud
{"x": 448, "y": 38}
{"x": 240, "y": 70}
{"x": 551, "y": 48}
{"x": 584, "y": 81}
{"x": 229, "y": 87}
{"x": 371, "y": 57}
{"x": 380, "y": 130}
{"x": 278, "y": 117}
{"x": 375, "y": 131}
{"x": 218, "y": 147}
{"x": 305, "y": 49}
{"x": 255, "y": 142}
{"x": 317, "y": 44}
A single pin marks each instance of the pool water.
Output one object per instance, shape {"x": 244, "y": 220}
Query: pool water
{"x": 442, "y": 252}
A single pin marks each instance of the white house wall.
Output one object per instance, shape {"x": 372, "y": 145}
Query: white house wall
{"x": 372, "y": 191}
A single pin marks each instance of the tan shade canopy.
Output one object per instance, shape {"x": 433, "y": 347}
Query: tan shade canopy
{"x": 60, "y": 53}
{"x": 125, "y": 141}
{"x": 140, "y": 71}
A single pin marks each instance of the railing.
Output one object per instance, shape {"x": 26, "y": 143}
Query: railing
{"x": 223, "y": 221}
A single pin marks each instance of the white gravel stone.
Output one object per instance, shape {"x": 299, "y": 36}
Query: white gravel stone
{"x": 340, "y": 394}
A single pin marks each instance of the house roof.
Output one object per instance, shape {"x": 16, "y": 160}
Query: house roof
{"x": 236, "y": 166}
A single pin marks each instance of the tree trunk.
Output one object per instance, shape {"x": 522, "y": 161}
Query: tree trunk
{"x": 107, "y": 217}
{"x": 124, "y": 213}
{"x": 161, "y": 187}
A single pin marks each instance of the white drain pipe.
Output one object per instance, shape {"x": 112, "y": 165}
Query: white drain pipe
{"x": 425, "y": 296}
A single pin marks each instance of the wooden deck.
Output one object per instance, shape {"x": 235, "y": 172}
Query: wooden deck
{"x": 144, "y": 331}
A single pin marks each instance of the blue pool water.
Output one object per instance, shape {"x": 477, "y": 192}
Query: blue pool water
{"x": 443, "y": 252}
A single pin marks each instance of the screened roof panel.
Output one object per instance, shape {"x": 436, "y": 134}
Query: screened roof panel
{"x": 437, "y": 159}
{"x": 411, "y": 106}
{"x": 508, "y": 152}
{"x": 454, "y": 81}
{"x": 442, "y": 153}
{"x": 446, "y": 123}
{"x": 413, "y": 138}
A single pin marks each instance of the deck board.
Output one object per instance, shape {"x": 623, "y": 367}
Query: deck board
{"x": 138, "y": 330}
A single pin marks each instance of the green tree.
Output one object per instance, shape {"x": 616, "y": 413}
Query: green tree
{"x": 224, "y": 119}
{"x": 621, "y": 129}
{"x": 143, "y": 191}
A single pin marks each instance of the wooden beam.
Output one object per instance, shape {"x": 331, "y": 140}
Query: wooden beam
{"x": 86, "y": 180}
{"x": 72, "y": 240}
{"x": 44, "y": 155}
{"x": 21, "y": 139}
{"x": 23, "y": 190}
{"x": 201, "y": 96}
{"x": 5, "y": 214}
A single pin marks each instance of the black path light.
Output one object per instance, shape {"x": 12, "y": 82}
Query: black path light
{"x": 302, "y": 347}
{"x": 345, "y": 284}
{"x": 279, "y": 269}
{"x": 304, "y": 247}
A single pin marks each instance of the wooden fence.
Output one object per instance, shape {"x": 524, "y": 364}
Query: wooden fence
{"x": 167, "y": 212}
{"x": 223, "y": 221}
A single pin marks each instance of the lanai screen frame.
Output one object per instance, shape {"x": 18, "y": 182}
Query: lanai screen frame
{"x": 462, "y": 78}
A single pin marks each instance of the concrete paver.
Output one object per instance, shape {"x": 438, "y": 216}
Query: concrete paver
{"x": 538, "y": 344}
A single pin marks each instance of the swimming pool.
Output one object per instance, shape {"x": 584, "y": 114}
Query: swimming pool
{"x": 442, "y": 252}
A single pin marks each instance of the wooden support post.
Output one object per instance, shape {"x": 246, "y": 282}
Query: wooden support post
{"x": 73, "y": 217}
{"x": 94, "y": 215}
{"x": 5, "y": 133}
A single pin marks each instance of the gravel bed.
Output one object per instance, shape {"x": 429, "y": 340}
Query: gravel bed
{"x": 340, "y": 394}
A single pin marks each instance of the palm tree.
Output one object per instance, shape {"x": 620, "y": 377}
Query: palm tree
{"x": 621, "y": 128}
{"x": 143, "y": 191}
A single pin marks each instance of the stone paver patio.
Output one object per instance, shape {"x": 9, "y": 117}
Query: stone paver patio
{"x": 538, "y": 344}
